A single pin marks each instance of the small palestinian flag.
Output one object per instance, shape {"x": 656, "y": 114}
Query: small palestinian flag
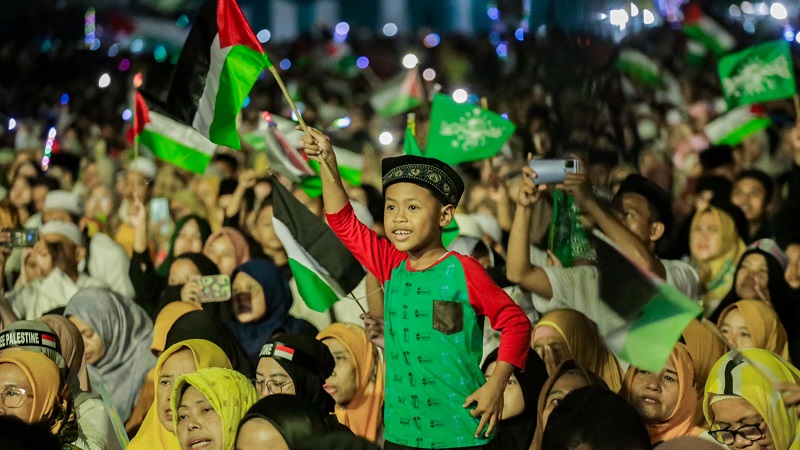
{"x": 737, "y": 124}
{"x": 323, "y": 268}
{"x": 220, "y": 62}
{"x": 707, "y": 31}
{"x": 48, "y": 340}
{"x": 283, "y": 158}
{"x": 400, "y": 94}
{"x": 639, "y": 66}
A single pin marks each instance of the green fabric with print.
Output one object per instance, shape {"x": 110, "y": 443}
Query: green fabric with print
{"x": 434, "y": 344}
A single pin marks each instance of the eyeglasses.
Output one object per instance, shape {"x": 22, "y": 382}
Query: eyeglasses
{"x": 14, "y": 397}
{"x": 272, "y": 386}
{"x": 749, "y": 432}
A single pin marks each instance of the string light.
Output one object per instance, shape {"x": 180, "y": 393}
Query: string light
{"x": 48, "y": 147}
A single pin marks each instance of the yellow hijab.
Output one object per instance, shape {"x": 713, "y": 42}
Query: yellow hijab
{"x": 717, "y": 274}
{"x": 364, "y": 413}
{"x": 585, "y": 345}
{"x": 732, "y": 375}
{"x": 166, "y": 318}
{"x": 152, "y": 434}
{"x": 228, "y": 391}
{"x": 764, "y": 326}
{"x": 706, "y": 346}
{"x": 45, "y": 379}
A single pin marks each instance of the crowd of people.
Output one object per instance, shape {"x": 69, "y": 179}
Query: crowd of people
{"x": 494, "y": 340}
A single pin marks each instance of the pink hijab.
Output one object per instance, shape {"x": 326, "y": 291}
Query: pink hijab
{"x": 241, "y": 250}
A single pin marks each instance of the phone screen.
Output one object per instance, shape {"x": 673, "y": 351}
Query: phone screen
{"x": 159, "y": 210}
{"x": 215, "y": 288}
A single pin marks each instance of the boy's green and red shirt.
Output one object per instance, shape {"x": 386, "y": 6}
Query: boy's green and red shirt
{"x": 434, "y": 336}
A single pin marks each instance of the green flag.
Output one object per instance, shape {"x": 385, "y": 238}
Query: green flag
{"x": 462, "y": 132}
{"x": 450, "y": 233}
{"x": 737, "y": 124}
{"x": 639, "y": 66}
{"x": 568, "y": 240}
{"x": 410, "y": 146}
{"x": 758, "y": 74}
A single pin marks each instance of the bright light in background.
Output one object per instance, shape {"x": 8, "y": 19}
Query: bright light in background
{"x": 95, "y": 45}
{"x": 51, "y": 134}
{"x": 747, "y": 8}
{"x": 64, "y": 99}
{"x": 246, "y": 102}
{"x": 182, "y": 21}
{"x": 619, "y": 17}
{"x": 160, "y": 53}
{"x": 410, "y": 61}
{"x": 104, "y": 80}
{"x": 519, "y": 34}
{"x": 778, "y": 11}
{"x": 428, "y": 74}
{"x": 342, "y": 122}
{"x": 735, "y": 11}
{"x": 263, "y": 36}
{"x": 362, "y": 62}
{"x": 493, "y": 13}
{"x": 634, "y": 10}
{"x": 648, "y": 17}
{"x": 285, "y": 64}
{"x": 126, "y": 115}
{"x": 389, "y": 29}
{"x": 124, "y": 65}
{"x": 460, "y": 95}
{"x": 762, "y": 9}
{"x": 13, "y": 123}
{"x": 385, "y": 138}
{"x": 502, "y": 50}
{"x": 749, "y": 26}
{"x": 796, "y": 38}
{"x": 113, "y": 50}
{"x": 788, "y": 34}
{"x": 137, "y": 45}
{"x": 431, "y": 40}
{"x": 342, "y": 28}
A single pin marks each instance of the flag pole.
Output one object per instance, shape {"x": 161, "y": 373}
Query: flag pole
{"x": 357, "y": 303}
{"x": 303, "y": 125}
{"x": 797, "y": 108}
{"x": 135, "y": 144}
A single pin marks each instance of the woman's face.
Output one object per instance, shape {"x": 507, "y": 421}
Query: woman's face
{"x": 752, "y": 279}
{"x": 735, "y": 330}
{"x": 20, "y": 193}
{"x": 181, "y": 271}
{"x": 705, "y": 239}
{"x": 95, "y": 349}
{"x": 265, "y": 232}
{"x": 564, "y": 385}
{"x": 734, "y": 413}
{"x": 178, "y": 363}
{"x": 655, "y": 394}
{"x": 199, "y": 425}
{"x": 342, "y": 384}
{"x": 547, "y": 337}
{"x": 100, "y": 203}
{"x": 14, "y": 384}
{"x": 513, "y": 399}
{"x": 258, "y": 434}
{"x": 271, "y": 378}
{"x": 188, "y": 239}
{"x": 221, "y": 252}
{"x": 249, "y": 303}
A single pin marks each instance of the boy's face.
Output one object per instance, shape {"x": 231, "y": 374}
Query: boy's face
{"x": 414, "y": 218}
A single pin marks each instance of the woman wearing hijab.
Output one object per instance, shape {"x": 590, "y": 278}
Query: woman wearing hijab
{"x": 716, "y": 246}
{"x": 521, "y": 396}
{"x": 358, "y": 382}
{"x": 117, "y": 335}
{"x": 666, "y": 400}
{"x": 183, "y": 274}
{"x": 705, "y": 345}
{"x": 166, "y": 320}
{"x": 205, "y": 325}
{"x": 282, "y": 421}
{"x": 158, "y": 430}
{"x": 754, "y": 324}
{"x": 564, "y": 334}
{"x": 33, "y": 391}
{"x": 743, "y": 406}
{"x": 296, "y": 364}
{"x": 261, "y": 303}
{"x": 208, "y": 406}
{"x": 190, "y": 234}
{"x": 228, "y": 249}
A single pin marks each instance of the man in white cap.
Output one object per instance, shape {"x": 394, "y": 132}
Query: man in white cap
{"x": 103, "y": 258}
{"x": 56, "y": 257}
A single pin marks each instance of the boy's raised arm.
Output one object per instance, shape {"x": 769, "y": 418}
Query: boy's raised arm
{"x": 318, "y": 147}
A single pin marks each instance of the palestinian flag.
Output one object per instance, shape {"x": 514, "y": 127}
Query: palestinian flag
{"x": 220, "y": 62}
{"x": 639, "y": 66}
{"x": 707, "y": 31}
{"x": 170, "y": 141}
{"x": 737, "y": 124}
{"x": 655, "y": 312}
{"x": 282, "y": 157}
{"x": 695, "y": 53}
{"x": 323, "y": 268}
{"x": 400, "y": 94}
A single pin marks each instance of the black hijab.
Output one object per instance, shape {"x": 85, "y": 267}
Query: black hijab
{"x": 310, "y": 365}
{"x": 205, "y": 325}
{"x": 517, "y": 432}
{"x": 295, "y": 418}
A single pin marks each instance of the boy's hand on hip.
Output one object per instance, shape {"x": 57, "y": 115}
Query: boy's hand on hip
{"x": 490, "y": 406}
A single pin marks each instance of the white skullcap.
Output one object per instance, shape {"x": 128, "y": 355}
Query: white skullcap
{"x": 66, "y": 200}
{"x": 362, "y": 213}
{"x": 489, "y": 226}
{"x": 67, "y": 229}
{"x": 144, "y": 166}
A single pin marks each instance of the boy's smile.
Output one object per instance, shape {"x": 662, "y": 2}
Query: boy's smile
{"x": 414, "y": 219}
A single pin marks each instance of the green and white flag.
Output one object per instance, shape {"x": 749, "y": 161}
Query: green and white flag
{"x": 398, "y": 95}
{"x": 639, "y": 66}
{"x": 283, "y": 158}
{"x": 707, "y": 31}
{"x": 737, "y": 124}
{"x": 655, "y": 312}
{"x": 758, "y": 74}
{"x": 410, "y": 146}
{"x": 323, "y": 268}
{"x": 462, "y": 132}
{"x": 219, "y": 64}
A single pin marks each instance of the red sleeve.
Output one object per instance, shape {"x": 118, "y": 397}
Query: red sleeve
{"x": 505, "y": 316}
{"x": 378, "y": 255}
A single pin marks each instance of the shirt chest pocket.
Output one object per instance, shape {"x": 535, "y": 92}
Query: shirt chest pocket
{"x": 448, "y": 317}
